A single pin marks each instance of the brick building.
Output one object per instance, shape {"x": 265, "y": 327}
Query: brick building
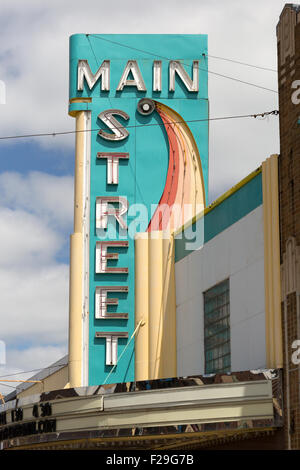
{"x": 288, "y": 37}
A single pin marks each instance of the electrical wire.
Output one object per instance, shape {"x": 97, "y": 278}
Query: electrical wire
{"x": 124, "y": 350}
{"x": 32, "y": 370}
{"x": 9, "y": 386}
{"x": 54, "y": 134}
{"x": 188, "y": 65}
{"x": 21, "y": 381}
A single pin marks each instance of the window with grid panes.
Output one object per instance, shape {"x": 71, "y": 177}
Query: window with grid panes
{"x": 217, "y": 329}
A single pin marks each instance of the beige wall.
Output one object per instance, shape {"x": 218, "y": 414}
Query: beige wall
{"x": 55, "y": 381}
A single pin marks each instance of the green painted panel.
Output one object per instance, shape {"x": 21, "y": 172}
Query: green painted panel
{"x": 233, "y": 208}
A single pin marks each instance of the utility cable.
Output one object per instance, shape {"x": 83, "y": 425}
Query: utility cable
{"x": 32, "y": 370}
{"x": 9, "y": 386}
{"x": 54, "y": 134}
{"x": 123, "y": 352}
{"x": 188, "y": 65}
{"x": 240, "y": 63}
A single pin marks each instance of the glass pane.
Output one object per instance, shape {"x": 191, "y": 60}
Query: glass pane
{"x": 217, "y": 328}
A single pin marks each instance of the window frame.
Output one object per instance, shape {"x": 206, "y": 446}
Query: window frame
{"x": 217, "y": 312}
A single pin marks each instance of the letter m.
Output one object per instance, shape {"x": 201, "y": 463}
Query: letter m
{"x": 84, "y": 72}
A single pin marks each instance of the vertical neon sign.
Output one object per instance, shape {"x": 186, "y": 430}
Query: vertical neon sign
{"x": 127, "y": 166}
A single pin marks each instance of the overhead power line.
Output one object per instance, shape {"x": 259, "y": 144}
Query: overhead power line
{"x": 240, "y": 63}
{"x": 54, "y": 134}
{"x": 32, "y": 370}
{"x": 5, "y": 385}
{"x": 188, "y": 65}
{"x": 24, "y": 381}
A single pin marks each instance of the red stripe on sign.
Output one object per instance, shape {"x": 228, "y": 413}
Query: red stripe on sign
{"x": 161, "y": 217}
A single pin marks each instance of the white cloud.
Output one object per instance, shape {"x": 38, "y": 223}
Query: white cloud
{"x": 31, "y": 359}
{"x": 50, "y": 197}
{"x": 35, "y": 211}
{"x": 34, "y": 304}
{"x": 25, "y": 240}
{"x": 37, "y": 357}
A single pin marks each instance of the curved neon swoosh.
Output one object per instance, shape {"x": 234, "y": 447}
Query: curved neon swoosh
{"x": 184, "y": 193}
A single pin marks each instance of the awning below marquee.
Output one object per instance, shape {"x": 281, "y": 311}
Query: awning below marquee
{"x": 160, "y": 414}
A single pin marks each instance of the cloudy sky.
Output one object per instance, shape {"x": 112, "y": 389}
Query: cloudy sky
{"x": 36, "y": 175}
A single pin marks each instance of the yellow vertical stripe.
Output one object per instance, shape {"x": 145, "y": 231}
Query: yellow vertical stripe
{"x": 142, "y": 307}
{"x": 274, "y": 353}
{"x": 155, "y": 303}
{"x": 76, "y": 262}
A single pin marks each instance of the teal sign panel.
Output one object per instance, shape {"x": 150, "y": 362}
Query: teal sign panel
{"x": 116, "y": 72}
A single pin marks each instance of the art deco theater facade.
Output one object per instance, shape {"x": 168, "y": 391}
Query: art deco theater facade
{"x": 184, "y": 318}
